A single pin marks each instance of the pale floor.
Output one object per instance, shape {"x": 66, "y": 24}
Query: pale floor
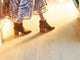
{"x": 63, "y": 43}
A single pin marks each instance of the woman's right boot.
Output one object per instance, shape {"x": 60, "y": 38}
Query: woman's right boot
{"x": 42, "y": 26}
{"x": 45, "y": 26}
{"x": 19, "y": 28}
{"x": 22, "y": 29}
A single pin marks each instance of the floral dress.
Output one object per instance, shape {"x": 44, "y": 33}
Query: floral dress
{"x": 23, "y": 9}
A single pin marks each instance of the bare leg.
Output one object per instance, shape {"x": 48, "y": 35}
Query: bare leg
{"x": 19, "y": 22}
{"x": 41, "y": 16}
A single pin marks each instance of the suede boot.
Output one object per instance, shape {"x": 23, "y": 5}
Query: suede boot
{"x": 45, "y": 26}
{"x": 19, "y": 28}
{"x": 22, "y": 29}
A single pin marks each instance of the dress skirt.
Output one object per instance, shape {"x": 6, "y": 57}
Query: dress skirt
{"x": 23, "y": 9}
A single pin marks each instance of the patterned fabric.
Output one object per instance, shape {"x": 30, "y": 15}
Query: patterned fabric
{"x": 23, "y": 9}
{"x": 4, "y": 8}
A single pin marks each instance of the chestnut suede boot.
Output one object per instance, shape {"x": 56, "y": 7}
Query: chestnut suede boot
{"x": 45, "y": 26}
{"x": 22, "y": 30}
{"x": 19, "y": 28}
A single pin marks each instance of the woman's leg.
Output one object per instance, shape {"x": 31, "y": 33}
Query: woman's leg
{"x": 41, "y": 16}
{"x": 20, "y": 21}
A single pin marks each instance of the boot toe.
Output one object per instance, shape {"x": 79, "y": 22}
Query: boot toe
{"x": 27, "y": 32}
{"x": 51, "y": 28}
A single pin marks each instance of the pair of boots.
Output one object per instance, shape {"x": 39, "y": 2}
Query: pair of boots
{"x": 19, "y": 28}
{"x": 43, "y": 27}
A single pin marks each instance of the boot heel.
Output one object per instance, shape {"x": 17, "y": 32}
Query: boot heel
{"x": 16, "y": 28}
{"x": 16, "y": 32}
{"x": 42, "y": 30}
